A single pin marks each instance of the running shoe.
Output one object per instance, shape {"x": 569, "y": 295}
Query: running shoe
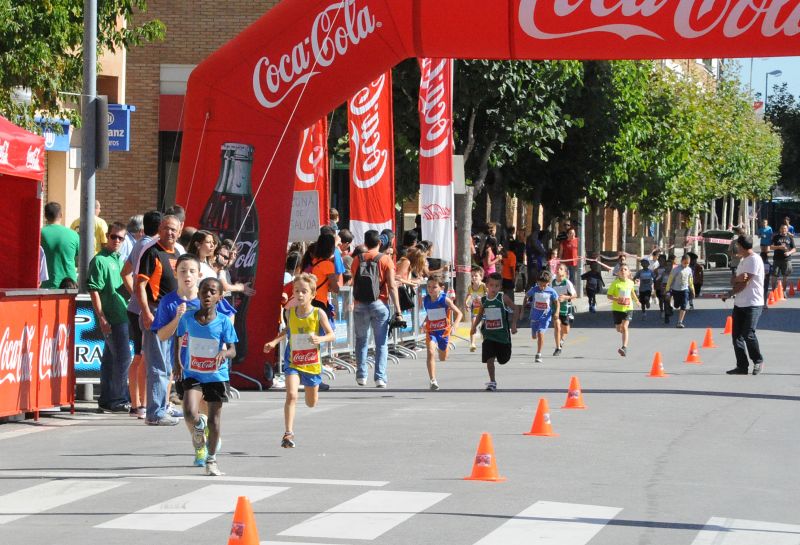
{"x": 622, "y": 351}
{"x": 491, "y": 386}
{"x": 288, "y": 440}
{"x": 380, "y": 383}
{"x": 538, "y": 358}
{"x": 141, "y": 413}
{"x": 434, "y": 385}
{"x": 757, "y": 368}
{"x": 680, "y": 325}
{"x": 557, "y": 352}
{"x": 361, "y": 381}
{"x": 200, "y": 455}
{"x": 199, "y": 432}
{"x": 472, "y": 347}
{"x": 174, "y": 411}
{"x": 561, "y": 343}
{"x": 212, "y": 469}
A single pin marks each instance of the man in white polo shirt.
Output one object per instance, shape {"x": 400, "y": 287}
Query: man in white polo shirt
{"x": 748, "y": 286}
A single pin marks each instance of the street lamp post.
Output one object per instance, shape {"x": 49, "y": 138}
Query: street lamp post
{"x": 776, "y": 73}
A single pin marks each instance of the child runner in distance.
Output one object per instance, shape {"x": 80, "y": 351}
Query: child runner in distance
{"x": 594, "y": 284}
{"x": 566, "y": 293}
{"x": 497, "y": 327}
{"x": 207, "y": 345}
{"x": 681, "y": 286}
{"x": 475, "y": 292}
{"x": 645, "y": 277}
{"x": 544, "y": 308}
{"x": 437, "y": 324}
{"x": 622, "y": 295}
{"x": 303, "y": 365}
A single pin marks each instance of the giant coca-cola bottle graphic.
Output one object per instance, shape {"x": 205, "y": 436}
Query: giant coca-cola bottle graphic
{"x": 226, "y": 214}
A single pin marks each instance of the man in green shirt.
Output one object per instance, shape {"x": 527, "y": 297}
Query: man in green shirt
{"x": 111, "y": 310}
{"x": 60, "y": 247}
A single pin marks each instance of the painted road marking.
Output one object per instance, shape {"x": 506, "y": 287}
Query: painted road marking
{"x": 724, "y": 531}
{"x": 43, "y": 497}
{"x": 553, "y": 523}
{"x": 366, "y": 516}
{"x": 184, "y": 512}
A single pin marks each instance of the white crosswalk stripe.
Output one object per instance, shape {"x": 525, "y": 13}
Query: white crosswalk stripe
{"x": 552, "y": 523}
{"x": 366, "y": 516}
{"x": 43, "y": 497}
{"x": 722, "y": 531}
{"x": 189, "y": 510}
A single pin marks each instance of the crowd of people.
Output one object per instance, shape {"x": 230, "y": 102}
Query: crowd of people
{"x": 166, "y": 288}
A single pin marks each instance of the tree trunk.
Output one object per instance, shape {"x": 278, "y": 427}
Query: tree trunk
{"x": 725, "y": 224}
{"x": 597, "y": 227}
{"x": 497, "y": 194}
{"x": 732, "y": 212}
{"x": 623, "y": 229}
{"x": 463, "y": 254}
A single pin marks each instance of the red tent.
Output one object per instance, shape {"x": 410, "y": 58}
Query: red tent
{"x": 21, "y": 175}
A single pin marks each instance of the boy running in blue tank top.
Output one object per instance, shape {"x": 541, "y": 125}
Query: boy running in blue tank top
{"x": 544, "y": 308}
{"x": 206, "y": 348}
{"x": 437, "y": 324}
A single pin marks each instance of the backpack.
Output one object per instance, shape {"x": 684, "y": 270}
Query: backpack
{"x": 367, "y": 280}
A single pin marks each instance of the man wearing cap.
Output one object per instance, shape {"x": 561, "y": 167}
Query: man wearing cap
{"x": 748, "y": 286}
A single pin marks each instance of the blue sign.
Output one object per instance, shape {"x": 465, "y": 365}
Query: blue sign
{"x": 53, "y": 141}
{"x": 119, "y": 127}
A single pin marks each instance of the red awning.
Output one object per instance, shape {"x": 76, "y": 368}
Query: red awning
{"x": 21, "y": 152}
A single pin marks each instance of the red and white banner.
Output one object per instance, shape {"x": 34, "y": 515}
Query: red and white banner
{"x": 371, "y": 158}
{"x": 21, "y": 152}
{"x": 312, "y": 170}
{"x": 436, "y": 156}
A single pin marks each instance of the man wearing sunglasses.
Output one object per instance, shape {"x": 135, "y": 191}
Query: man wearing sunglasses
{"x": 105, "y": 289}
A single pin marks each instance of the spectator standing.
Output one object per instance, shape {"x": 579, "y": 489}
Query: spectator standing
{"x": 765, "y": 234}
{"x": 100, "y": 228}
{"x": 491, "y": 256}
{"x": 568, "y": 250}
{"x": 137, "y": 376}
{"x": 535, "y": 253}
{"x": 345, "y": 249}
{"x": 135, "y": 231}
{"x": 509, "y": 272}
{"x": 748, "y": 286}
{"x": 105, "y": 286}
{"x": 783, "y": 248}
{"x": 60, "y": 247}
{"x": 373, "y": 286}
{"x": 787, "y": 221}
{"x": 155, "y": 279}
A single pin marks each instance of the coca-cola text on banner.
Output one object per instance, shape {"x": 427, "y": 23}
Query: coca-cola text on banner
{"x": 312, "y": 170}
{"x": 325, "y": 51}
{"x": 436, "y": 156}
{"x": 369, "y": 115}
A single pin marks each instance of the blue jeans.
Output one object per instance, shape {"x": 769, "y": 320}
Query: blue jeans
{"x": 114, "y": 364}
{"x": 158, "y": 355}
{"x": 377, "y": 315}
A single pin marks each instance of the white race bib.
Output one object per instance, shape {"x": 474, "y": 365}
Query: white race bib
{"x": 437, "y": 319}
{"x": 304, "y": 352}
{"x": 493, "y": 318}
{"x": 541, "y": 301}
{"x": 203, "y": 355}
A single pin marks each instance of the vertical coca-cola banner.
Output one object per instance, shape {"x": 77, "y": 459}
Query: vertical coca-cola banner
{"x": 436, "y": 156}
{"x": 312, "y": 171}
{"x": 371, "y": 158}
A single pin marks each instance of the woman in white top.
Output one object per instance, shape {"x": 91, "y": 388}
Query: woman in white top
{"x": 205, "y": 245}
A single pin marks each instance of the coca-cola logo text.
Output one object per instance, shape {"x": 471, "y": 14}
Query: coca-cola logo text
{"x": 4, "y": 144}
{"x": 305, "y": 357}
{"x": 691, "y": 19}
{"x": 436, "y": 212}
{"x": 370, "y": 157}
{"x": 274, "y": 80}
{"x": 433, "y": 97}
{"x": 310, "y": 157}
{"x": 246, "y": 254}
{"x": 54, "y": 355}
{"x": 203, "y": 365}
{"x": 16, "y": 355}
{"x": 32, "y": 158}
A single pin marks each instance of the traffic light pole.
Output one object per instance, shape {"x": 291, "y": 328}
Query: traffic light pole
{"x": 88, "y": 139}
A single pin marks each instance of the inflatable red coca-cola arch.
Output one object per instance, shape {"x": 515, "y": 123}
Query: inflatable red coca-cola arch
{"x": 305, "y": 57}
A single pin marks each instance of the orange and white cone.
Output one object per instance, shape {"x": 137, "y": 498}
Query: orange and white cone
{"x": 541, "y": 422}
{"x": 574, "y": 395}
{"x": 693, "y": 356}
{"x": 708, "y": 342}
{"x": 484, "y": 468}
{"x": 657, "y": 370}
{"x": 728, "y": 326}
{"x": 243, "y": 529}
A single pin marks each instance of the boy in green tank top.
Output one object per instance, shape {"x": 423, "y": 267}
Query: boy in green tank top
{"x": 497, "y": 326}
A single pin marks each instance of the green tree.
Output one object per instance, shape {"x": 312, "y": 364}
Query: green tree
{"x": 783, "y": 111}
{"x": 41, "y": 50}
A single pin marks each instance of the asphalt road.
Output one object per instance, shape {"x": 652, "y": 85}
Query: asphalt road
{"x": 696, "y": 458}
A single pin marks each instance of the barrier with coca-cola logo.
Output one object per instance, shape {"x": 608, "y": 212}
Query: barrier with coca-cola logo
{"x": 305, "y": 57}
{"x": 37, "y": 341}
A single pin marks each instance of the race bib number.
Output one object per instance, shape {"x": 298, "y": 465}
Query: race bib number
{"x": 625, "y": 297}
{"x": 304, "y": 352}
{"x": 203, "y": 355}
{"x": 541, "y": 301}
{"x": 437, "y": 319}
{"x": 493, "y": 318}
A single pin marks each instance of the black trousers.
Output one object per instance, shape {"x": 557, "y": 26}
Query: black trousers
{"x": 745, "y": 321}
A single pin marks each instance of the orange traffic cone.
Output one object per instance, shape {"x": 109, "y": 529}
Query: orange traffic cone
{"x": 574, "y": 395}
{"x": 657, "y": 371}
{"x": 485, "y": 467}
{"x": 693, "y": 356}
{"x": 779, "y": 292}
{"x": 243, "y": 529}
{"x": 541, "y": 422}
{"x": 708, "y": 342}
{"x": 798, "y": 284}
{"x": 771, "y": 298}
{"x": 792, "y": 291}
{"x": 728, "y": 326}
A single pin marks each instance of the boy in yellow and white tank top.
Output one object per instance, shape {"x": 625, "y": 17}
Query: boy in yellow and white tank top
{"x": 475, "y": 291}
{"x": 303, "y": 364}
